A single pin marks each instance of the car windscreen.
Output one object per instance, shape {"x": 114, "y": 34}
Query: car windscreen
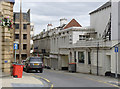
{"x": 35, "y": 60}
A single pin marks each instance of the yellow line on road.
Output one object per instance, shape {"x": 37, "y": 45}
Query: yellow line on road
{"x": 43, "y": 79}
{"x": 51, "y": 86}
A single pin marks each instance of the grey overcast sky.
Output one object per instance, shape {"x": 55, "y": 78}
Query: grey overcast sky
{"x": 51, "y": 11}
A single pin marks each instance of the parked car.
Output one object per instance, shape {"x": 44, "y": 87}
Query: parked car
{"x": 34, "y": 63}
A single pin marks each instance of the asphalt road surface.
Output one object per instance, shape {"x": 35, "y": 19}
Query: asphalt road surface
{"x": 66, "y": 79}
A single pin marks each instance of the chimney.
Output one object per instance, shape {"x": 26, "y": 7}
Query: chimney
{"x": 49, "y": 26}
{"x": 63, "y": 21}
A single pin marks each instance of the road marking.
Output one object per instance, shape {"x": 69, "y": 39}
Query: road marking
{"x": 51, "y": 86}
{"x": 44, "y": 79}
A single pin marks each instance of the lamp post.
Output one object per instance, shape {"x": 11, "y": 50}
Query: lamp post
{"x": 20, "y": 31}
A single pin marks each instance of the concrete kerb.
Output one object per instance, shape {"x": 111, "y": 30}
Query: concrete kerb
{"x": 46, "y": 80}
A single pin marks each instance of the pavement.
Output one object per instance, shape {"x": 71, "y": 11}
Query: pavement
{"x": 26, "y": 81}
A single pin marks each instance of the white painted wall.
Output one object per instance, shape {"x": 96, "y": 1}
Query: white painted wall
{"x": 115, "y": 32}
{"x": 76, "y": 35}
{"x": 115, "y": 21}
{"x": 99, "y": 20}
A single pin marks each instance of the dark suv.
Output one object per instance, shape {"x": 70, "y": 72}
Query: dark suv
{"x": 34, "y": 63}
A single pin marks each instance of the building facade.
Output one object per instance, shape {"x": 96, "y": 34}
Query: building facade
{"x": 6, "y": 35}
{"x": 91, "y": 48}
{"x": 25, "y": 34}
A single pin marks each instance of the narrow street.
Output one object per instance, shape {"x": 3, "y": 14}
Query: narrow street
{"x": 66, "y": 79}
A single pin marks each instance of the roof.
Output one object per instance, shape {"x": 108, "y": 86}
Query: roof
{"x": 72, "y": 23}
{"x": 107, "y": 4}
{"x": 16, "y": 15}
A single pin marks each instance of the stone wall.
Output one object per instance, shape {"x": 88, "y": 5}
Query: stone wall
{"x": 7, "y": 38}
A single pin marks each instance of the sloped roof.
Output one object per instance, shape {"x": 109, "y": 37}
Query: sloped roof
{"x": 107, "y": 4}
{"x": 72, "y": 23}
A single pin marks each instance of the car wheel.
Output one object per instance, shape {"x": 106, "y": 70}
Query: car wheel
{"x": 41, "y": 70}
{"x": 27, "y": 70}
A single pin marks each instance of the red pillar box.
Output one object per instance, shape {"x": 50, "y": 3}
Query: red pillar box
{"x": 17, "y": 70}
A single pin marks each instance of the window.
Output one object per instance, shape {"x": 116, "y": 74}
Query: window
{"x": 80, "y": 37}
{"x": 17, "y": 56}
{"x": 16, "y": 36}
{"x": 83, "y": 37}
{"x": 16, "y": 26}
{"x": 24, "y": 26}
{"x": 81, "y": 57}
{"x": 89, "y": 59}
{"x": 43, "y": 51}
{"x": 17, "y": 16}
{"x": 24, "y": 56}
{"x": 24, "y": 46}
{"x": 24, "y": 36}
{"x": 75, "y": 56}
{"x": 25, "y": 16}
{"x": 18, "y": 46}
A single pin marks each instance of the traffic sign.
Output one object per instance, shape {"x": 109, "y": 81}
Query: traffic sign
{"x": 116, "y": 49}
{"x": 15, "y": 46}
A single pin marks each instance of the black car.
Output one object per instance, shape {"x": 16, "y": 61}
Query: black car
{"x": 34, "y": 63}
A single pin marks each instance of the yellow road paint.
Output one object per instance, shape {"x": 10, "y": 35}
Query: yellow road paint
{"x": 51, "y": 86}
{"x": 43, "y": 79}
{"x": 46, "y": 80}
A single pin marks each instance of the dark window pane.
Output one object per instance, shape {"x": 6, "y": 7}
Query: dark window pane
{"x": 18, "y": 46}
{"x": 89, "y": 58}
{"x": 17, "y": 56}
{"x": 24, "y": 26}
{"x": 24, "y": 36}
{"x": 35, "y": 60}
{"x": 24, "y": 46}
{"x": 16, "y": 36}
{"x": 16, "y": 26}
{"x": 24, "y": 56}
{"x": 81, "y": 57}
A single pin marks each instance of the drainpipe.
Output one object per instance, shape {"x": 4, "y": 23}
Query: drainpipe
{"x": 97, "y": 59}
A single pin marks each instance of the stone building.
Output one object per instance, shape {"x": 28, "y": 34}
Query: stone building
{"x": 6, "y": 35}
{"x": 25, "y": 34}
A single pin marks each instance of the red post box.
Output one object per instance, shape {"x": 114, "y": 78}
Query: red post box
{"x": 17, "y": 70}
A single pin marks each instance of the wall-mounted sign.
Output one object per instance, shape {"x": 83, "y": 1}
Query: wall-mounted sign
{"x": 6, "y": 61}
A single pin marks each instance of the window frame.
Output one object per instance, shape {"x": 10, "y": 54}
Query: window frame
{"x": 24, "y": 26}
{"x": 18, "y": 26}
{"x": 15, "y": 36}
{"x": 24, "y": 48}
{"x": 24, "y": 36}
{"x": 81, "y": 60}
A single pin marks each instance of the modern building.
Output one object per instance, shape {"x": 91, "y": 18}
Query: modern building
{"x": 25, "y": 34}
{"x": 6, "y": 35}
